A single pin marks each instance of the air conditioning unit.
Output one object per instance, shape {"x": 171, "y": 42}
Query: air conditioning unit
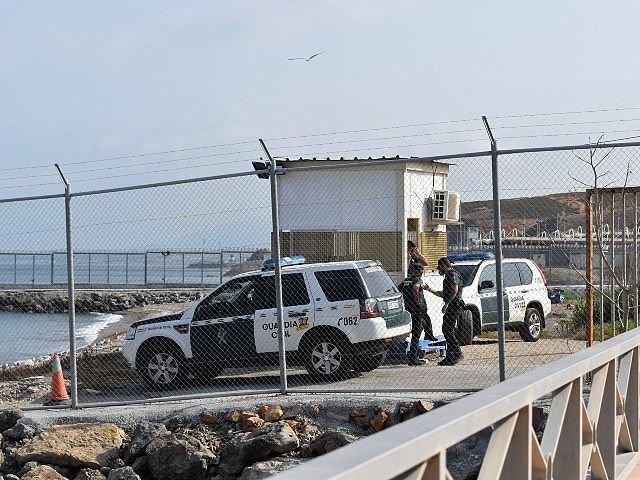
{"x": 445, "y": 207}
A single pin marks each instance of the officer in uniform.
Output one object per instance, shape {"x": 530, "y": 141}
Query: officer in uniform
{"x": 414, "y": 301}
{"x": 451, "y": 295}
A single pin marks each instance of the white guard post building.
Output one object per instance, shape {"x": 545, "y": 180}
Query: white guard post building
{"x": 333, "y": 210}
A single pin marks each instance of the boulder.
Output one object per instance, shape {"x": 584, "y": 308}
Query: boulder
{"x": 178, "y": 456}
{"x": 208, "y": 417}
{"x": 273, "y": 413}
{"x": 142, "y": 435}
{"x": 378, "y": 422}
{"x": 292, "y": 412}
{"x": 330, "y": 441}
{"x": 22, "y": 430}
{"x": 424, "y": 406}
{"x": 244, "y": 449}
{"x": 89, "y": 474}
{"x": 251, "y": 423}
{"x": 9, "y": 417}
{"x": 42, "y": 472}
{"x": 123, "y": 473}
{"x": 268, "y": 468}
{"x": 80, "y": 445}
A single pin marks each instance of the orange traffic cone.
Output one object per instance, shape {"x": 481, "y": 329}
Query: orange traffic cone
{"x": 58, "y": 391}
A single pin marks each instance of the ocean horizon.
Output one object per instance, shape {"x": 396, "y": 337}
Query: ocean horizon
{"x": 24, "y": 336}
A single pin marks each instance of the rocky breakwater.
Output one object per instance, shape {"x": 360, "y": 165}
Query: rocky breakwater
{"x": 225, "y": 445}
{"x": 103, "y": 301}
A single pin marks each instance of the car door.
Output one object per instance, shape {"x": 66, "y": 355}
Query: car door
{"x": 488, "y": 299}
{"x": 297, "y": 309}
{"x": 222, "y": 324}
{"x": 513, "y": 289}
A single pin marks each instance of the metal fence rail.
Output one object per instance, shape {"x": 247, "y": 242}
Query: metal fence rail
{"x": 597, "y": 434}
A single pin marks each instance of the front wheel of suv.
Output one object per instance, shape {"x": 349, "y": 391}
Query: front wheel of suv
{"x": 328, "y": 358}
{"x": 532, "y": 327}
{"x": 162, "y": 365}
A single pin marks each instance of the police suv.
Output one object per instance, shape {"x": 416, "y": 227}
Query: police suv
{"x": 526, "y": 304}
{"x": 338, "y": 316}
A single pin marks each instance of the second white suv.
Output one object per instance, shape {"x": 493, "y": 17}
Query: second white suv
{"x": 338, "y": 316}
{"x": 526, "y": 301}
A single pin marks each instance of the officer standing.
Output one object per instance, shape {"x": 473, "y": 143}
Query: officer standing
{"x": 414, "y": 301}
{"x": 451, "y": 295}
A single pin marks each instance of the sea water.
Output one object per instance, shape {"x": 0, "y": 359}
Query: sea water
{"x": 27, "y": 335}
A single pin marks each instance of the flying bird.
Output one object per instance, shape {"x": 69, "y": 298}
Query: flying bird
{"x": 306, "y": 59}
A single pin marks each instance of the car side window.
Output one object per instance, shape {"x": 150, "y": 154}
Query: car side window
{"x": 526, "y": 275}
{"x": 488, "y": 273}
{"x": 340, "y": 285}
{"x": 233, "y": 298}
{"x": 510, "y": 275}
{"x": 294, "y": 290}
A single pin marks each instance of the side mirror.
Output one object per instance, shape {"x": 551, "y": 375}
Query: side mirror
{"x": 486, "y": 284}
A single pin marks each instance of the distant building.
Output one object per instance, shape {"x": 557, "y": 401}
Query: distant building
{"x": 334, "y": 213}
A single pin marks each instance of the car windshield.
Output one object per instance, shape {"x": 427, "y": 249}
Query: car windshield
{"x": 230, "y": 291}
{"x": 467, "y": 273}
{"x": 378, "y": 281}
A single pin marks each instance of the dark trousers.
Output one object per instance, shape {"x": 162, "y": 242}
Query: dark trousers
{"x": 449, "y": 323}
{"x": 419, "y": 322}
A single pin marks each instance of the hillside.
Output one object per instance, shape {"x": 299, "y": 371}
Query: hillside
{"x": 560, "y": 210}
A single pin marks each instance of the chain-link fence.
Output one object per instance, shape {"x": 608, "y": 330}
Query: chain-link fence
{"x": 163, "y": 310}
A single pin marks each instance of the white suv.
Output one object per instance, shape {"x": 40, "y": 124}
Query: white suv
{"x": 526, "y": 301}
{"x": 337, "y": 316}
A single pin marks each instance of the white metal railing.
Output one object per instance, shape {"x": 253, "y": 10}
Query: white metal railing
{"x": 588, "y": 430}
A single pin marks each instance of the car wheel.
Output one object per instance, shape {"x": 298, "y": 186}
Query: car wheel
{"x": 162, "y": 366}
{"x": 328, "y": 358}
{"x": 367, "y": 364}
{"x": 464, "y": 330}
{"x": 532, "y": 327}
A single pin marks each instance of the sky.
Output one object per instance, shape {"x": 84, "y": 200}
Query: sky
{"x": 102, "y": 88}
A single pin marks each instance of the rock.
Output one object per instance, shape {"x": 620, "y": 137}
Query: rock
{"x": 292, "y": 412}
{"x": 11, "y": 477}
{"x": 9, "y": 417}
{"x": 314, "y": 411}
{"x": 42, "y": 472}
{"x": 243, "y": 450}
{"x": 123, "y": 473}
{"x": 424, "y": 406}
{"x": 233, "y": 416}
{"x": 208, "y": 418}
{"x": 273, "y": 413}
{"x": 379, "y": 421}
{"x": 142, "y": 435}
{"x": 407, "y": 411}
{"x": 247, "y": 414}
{"x": 89, "y": 474}
{"x": 251, "y": 423}
{"x": 27, "y": 467}
{"x": 179, "y": 421}
{"x": 22, "y": 430}
{"x": 464, "y": 459}
{"x": 178, "y": 456}
{"x": 362, "y": 422}
{"x": 268, "y": 468}
{"x": 79, "y": 445}
{"x": 329, "y": 441}
{"x": 357, "y": 414}
{"x": 140, "y": 465}
{"x": 294, "y": 425}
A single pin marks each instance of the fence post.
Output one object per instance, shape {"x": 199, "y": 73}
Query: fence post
{"x": 635, "y": 258}
{"x": 275, "y": 247}
{"x": 497, "y": 239}
{"x": 71, "y": 293}
{"x": 52, "y": 260}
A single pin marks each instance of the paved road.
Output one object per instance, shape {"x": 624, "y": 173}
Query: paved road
{"x": 478, "y": 370}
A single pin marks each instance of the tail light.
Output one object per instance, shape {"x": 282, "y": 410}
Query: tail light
{"x": 369, "y": 308}
{"x": 544, "y": 277}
